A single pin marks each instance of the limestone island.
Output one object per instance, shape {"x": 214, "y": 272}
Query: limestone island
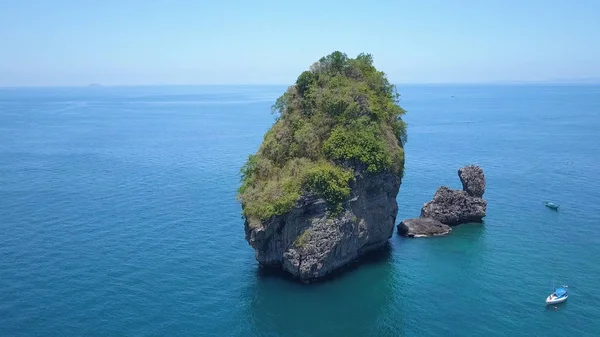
{"x": 321, "y": 189}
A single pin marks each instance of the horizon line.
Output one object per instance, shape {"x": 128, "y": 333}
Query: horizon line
{"x": 99, "y": 85}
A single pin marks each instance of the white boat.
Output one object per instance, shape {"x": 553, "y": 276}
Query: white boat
{"x": 559, "y": 295}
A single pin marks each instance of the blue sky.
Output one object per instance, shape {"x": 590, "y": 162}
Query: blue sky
{"x": 131, "y": 42}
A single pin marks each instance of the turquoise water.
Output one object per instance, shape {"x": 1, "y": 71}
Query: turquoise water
{"x": 118, "y": 217}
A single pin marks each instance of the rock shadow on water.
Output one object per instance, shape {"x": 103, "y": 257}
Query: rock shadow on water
{"x": 472, "y": 229}
{"x": 350, "y": 302}
{"x": 467, "y": 245}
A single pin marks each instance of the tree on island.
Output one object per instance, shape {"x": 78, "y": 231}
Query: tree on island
{"x": 340, "y": 115}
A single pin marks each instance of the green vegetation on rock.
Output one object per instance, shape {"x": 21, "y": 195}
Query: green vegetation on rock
{"x": 342, "y": 115}
{"x": 302, "y": 239}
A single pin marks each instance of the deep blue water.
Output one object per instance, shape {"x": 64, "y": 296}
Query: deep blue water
{"x": 118, "y": 217}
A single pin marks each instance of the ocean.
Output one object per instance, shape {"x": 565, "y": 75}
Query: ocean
{"x": 119, "y": 217}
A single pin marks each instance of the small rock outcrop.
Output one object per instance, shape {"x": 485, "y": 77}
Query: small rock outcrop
{"x": 450, "y": 207}
{"x": 473, "y": 180}
{"x": 454, "y": 207}
{"x": 422, "y": 227}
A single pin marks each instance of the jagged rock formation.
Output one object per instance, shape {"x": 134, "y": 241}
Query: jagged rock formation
{"x": 453, "y": 207}
{"x": 422, "y": 227}
{"x": 310, "y": 243}
{"x": 473, "y": 180}
{"x": 450, "y": 207}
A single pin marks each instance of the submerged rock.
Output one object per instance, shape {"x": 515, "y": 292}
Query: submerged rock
{"x": 422, "y": 227}
{"x": 473, "y": 180}
{"x": 453, "y": 207}
{"x": 309, "y": 242}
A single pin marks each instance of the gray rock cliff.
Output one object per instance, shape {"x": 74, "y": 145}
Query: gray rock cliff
{"x": 310, "y": 243}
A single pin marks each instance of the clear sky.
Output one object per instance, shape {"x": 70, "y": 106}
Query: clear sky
{"x": 130, "y": 42}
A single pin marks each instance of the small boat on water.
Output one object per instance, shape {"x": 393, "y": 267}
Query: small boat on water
{"x": 551, "y": 205}
{"x": 559, "y": 295}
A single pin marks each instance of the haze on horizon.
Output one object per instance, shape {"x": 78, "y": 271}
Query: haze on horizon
{"x": 68, "y": 42}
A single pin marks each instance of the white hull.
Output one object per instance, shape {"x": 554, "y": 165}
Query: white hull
{"x": 550, "y": 300}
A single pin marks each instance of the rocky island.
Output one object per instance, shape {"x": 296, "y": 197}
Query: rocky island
{"x": 450, "y": 207}
{"x": 321, "y": 189}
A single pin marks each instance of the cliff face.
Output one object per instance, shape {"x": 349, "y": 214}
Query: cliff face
{"x": 309, "y": 242}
